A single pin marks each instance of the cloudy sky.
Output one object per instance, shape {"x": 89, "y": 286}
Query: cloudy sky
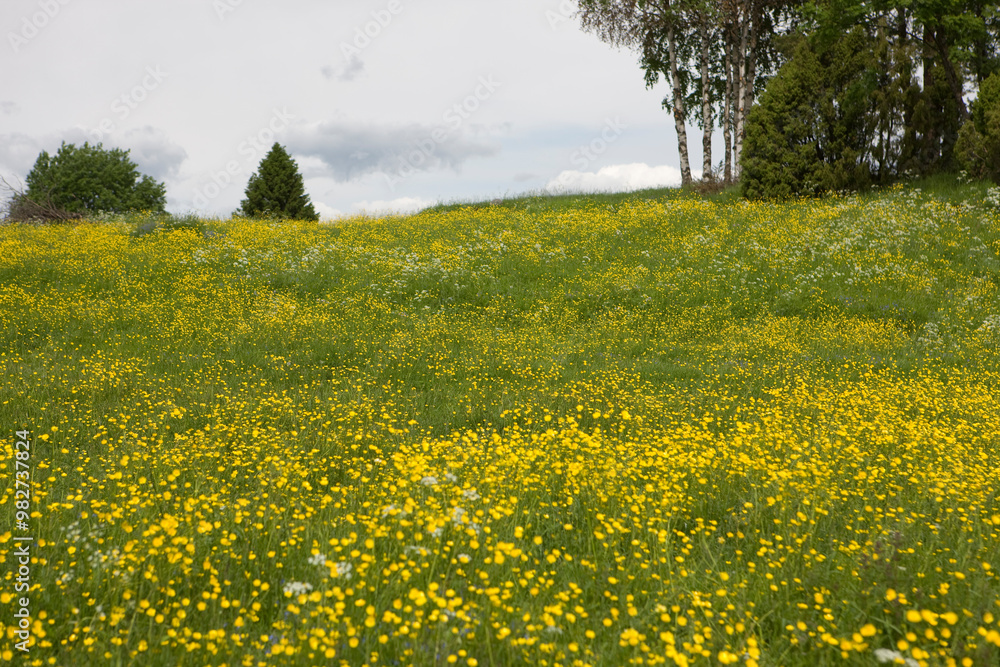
{"x": 385, "y": 104}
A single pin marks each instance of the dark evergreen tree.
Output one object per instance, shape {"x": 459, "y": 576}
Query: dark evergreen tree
{"x": 90, "y": 179}
{"x": 978, "y": 146}
{"x": 781, "y": 156}
{"x": 277, "y": 190}
{"x": 815, "y": 129}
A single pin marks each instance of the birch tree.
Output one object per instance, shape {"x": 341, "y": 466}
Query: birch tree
{"x": 651, "y": 27}
{"x": 716, "y": 54}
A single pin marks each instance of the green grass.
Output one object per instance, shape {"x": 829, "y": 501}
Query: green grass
{"x": 590, "y": 429}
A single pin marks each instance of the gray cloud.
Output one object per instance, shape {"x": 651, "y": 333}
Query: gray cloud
{"x": 8, "y": 108}
{"x": 350, "y": 71}
{"x": 18, "y": 153}
{"x": 351, "y": 150}
{"x": 153, "y": 151}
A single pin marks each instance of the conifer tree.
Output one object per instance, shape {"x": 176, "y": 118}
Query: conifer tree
{"x": 277, "y": 190}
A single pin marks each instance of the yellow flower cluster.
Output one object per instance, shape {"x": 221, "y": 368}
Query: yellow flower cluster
{"x": 652, "y": 432}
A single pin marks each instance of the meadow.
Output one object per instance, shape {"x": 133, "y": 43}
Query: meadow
{"x": 632, "y": 430}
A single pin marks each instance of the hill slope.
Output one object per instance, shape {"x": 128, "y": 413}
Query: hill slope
{"x": 607, "y": 431}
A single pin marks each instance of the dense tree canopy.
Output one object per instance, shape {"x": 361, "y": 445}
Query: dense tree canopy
{"x": 91, "y": 179}
{"x": 892, "y": 106}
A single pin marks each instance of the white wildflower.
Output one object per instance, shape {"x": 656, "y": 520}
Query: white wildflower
{"x": 470, "y": 494}
{"x": 318, "y": 560}
{"x": 895, "y": 657}
{"x": 344, "y": 569}
{"x": 429, "y": 480}
{"x": 297, "y": 588}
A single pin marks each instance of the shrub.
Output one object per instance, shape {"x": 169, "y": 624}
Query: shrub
{"x": 90, "y": 179}
{"x": 812, "y": 130}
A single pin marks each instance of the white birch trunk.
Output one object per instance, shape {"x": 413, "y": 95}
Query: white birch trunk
{"x": 727, "y": 110}
{"x": 741, "y": 92}
{"x": 706, "y": 104}
{"x": 682, "y": 146}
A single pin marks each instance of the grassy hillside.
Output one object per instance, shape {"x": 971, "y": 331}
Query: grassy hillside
{"x": 632, "y": 429}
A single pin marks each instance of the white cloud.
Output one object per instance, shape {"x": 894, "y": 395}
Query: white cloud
{"x": 400, "y": 205}
{"x": 327, "y": 212}
{"x": 618, "y": 178}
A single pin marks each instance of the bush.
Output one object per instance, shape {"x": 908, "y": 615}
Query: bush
{"x": 90, "y": 179}
{"x": 812, "y": 130}
{"x": 978, "y": 145}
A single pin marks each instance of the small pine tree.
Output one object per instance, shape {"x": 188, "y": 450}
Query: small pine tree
{"x": 277, "y": 190}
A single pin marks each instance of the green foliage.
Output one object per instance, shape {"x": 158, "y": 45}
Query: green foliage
{"x": 277, "y": 190}
{"x": 92, "y": 179}
{"x": 813, "y": 129}
{"x": 774, "y": 407}
{"x": 978, "y": 146}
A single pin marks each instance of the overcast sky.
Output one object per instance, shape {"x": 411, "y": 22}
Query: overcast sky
{"x": 384, "y": 104}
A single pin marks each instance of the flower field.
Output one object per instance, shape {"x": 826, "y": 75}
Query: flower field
{"x": 634, "y": 431}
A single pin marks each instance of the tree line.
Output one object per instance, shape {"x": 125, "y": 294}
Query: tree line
{"x": 811, "y": 97}
{"x": 83, "y": 180}
{"x": 844, "y": 93}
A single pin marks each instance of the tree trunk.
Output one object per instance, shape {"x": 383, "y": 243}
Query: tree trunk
{"x": 931, "y": 143}
{"x": 751, "y": 57}
{"x": 679, "y": 115}
{"x": 741, "y": 92}
{"x": 941, "y": 46}
{"x": 747, "y": 71}
{"x": 727, "y": 110}
{"x": 706, "y": 104}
